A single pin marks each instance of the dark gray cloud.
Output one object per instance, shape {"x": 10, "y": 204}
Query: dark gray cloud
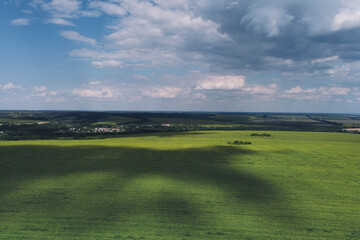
{"x": 279, "y": 31}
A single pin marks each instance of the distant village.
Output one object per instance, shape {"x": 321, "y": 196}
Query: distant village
{"x": 92, "y": 125}
{"x": 99, "y": 129}
{"x": 55, "y": 130}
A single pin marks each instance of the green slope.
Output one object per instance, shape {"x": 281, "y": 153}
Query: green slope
{"x": 292, "y": 185}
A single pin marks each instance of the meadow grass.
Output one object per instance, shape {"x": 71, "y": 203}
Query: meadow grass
{"x": 14, "y": 120}
{"x": 292, "y": 185}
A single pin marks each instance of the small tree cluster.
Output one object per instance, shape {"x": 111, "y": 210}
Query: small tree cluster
{"x": 237, "y": 142}
{"x": 260, "y": 135}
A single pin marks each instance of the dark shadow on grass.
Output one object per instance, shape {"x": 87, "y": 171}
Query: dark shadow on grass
{"x": 197, "y": 166}
{"x": 285, "y": 151}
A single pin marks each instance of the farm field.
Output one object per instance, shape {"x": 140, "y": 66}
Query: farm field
{"x": 189, "y": 185}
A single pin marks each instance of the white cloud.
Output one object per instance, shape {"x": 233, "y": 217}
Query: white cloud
{"x": 64, "y": 8}
{"x": 320, "y": 93}
{"x": 65, "y": 5}
{"x": 346, "y": 18}
{"x": 108, "y": 8}
{"x": 52, "y": 93}
{"x": 199, "y": 96}
{"x": 327, "y": 59}
{"x": 98, "y": 92}
{"x": 20, "y": 22}
{"x": 267, "y": 19}
{"x": 107, "y": 64}
{"x": 261, "y": 89}
{"x": 94, "y": 83}
{"x": 9, "y": 86}
{"x": 161, "y": 92}
{"x": 40, "y": 89}
{"x": 325, "y": 16}
{"x": 150, "y": 26}
{"x": 89, "y": 93}
{"x": 133, "y": 57}
{"x": 71, "y": 35}
{"x": 148, "y": 34}
{"x": 221, "y": 83}
{"x": 338, "y": 91}
{"x": 60, "y": 21}
{"x": 297, "y": 90}
{"x": 45, "y": 94}
{"x": 356, "y": 91}
{"x": 279, "y": 62}
{"x": 140, "y": 77}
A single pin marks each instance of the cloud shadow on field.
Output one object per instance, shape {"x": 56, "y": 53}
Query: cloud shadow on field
{"x": 103, "y": 178}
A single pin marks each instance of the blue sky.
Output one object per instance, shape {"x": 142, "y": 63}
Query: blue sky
{"x": 180, "y": 55}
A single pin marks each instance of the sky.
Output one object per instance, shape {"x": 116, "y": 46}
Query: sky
{"x": 180, "y": 55}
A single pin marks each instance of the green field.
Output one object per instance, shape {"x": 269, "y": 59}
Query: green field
{"x": 19, "y": 121}
{"x": 292, "y": 185}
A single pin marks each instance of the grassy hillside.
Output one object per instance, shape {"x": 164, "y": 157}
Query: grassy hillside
{"x": 292, "y": 185}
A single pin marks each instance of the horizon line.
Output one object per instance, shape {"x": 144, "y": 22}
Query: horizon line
{"x": 176, "y": 111}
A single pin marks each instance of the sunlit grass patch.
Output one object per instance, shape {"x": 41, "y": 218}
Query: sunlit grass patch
{"x": 292, "y": 185}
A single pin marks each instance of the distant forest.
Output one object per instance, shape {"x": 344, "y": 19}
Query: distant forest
{"x": 21, "y": 125}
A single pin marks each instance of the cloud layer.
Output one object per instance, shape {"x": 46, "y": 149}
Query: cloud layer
{"x": 207, "y": 52}
{"x": 232, "y": 36}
